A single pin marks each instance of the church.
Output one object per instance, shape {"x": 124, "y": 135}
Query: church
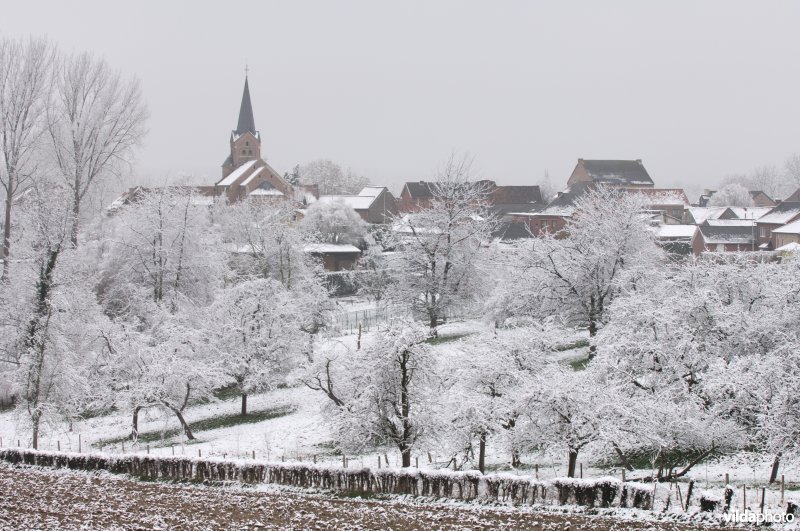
{"x": 244, "y": 173}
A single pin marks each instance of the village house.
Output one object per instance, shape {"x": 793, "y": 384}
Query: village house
{"x": 622, "y": 173}
{"x": 375, "y": 204}
{"x": 789, "y": 233}
{"x": 502, "y": 200}
{"x": 724, "y": 236}
{"x": 783, "y": 214}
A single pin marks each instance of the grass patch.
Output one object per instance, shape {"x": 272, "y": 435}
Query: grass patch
{"x": 207, "y": 424}
{"x": 580, "y": 363}
{"x": 438, "y": 340}
{"x": 581, "y": 343}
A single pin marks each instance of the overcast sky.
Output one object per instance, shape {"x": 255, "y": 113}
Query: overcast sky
{"x": 698, "y": 90}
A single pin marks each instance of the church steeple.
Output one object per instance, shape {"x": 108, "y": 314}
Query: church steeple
{"x": 246, "y": 120}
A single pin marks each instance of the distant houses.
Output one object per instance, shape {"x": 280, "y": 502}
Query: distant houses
{"x": 679, "y": 227}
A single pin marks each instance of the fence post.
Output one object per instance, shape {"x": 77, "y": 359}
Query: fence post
{"x": 727, "y": 481}
{"x": 172, "y": 447}
{"x": 315, "y": 459}
{"x": 148, "y": 449}
{"x": 199, "y": 453}
{"x": 623, "y": 475}
{"x": 744, "y": 498}
{"x": 379, "y": 462}
{"x": 344, "y": 461}
{"x": 80, "y": 444}
{"x": 58, "y": 443}
{"x": 254, "y": 454}
{"x": 537, "y": 470}
{"x": 417, "y": 461}
{"x": 581, "y": 470}
{"x": 123, "y": 446}
{"x": 782, "y": 485}
{"x": 763, "y": 495}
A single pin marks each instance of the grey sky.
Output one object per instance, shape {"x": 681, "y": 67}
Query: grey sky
{"x": 699, "y": 90}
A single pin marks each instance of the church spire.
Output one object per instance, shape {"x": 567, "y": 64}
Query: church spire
{"x": 246, "y": 120}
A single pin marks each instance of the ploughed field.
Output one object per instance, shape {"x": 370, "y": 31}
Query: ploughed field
{"x": 40, "y": 498}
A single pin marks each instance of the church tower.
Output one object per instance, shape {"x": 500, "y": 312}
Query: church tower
{"x": 245, "y": 139}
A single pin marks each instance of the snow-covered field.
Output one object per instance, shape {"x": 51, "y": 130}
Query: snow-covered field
{"x": 39, "y": 498}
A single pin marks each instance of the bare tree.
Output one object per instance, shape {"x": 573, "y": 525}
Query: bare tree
{"x": 25, "y": 68}
{"x": 95, "y": 121}
{"x": 792, "y": 172}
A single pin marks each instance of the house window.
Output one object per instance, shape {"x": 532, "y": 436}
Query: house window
{"x": 762, "y": 232}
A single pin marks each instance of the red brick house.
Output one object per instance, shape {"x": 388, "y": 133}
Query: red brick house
{"x": 623, "y": 173}
{"x": 784, "y": 213}
{"x": 503, "y": 199}
{"x": 724, "y": 236}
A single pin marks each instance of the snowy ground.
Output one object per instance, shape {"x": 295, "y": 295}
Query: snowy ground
{"x": 39, "y": 498}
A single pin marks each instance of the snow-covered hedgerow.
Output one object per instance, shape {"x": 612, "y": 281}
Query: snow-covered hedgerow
{"x": 587, "y": 492}
{"x": 470, "y": 485}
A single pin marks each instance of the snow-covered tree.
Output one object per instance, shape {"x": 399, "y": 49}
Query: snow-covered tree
{"x": 257, "y": 330}
{"x": 384, "y": 393}
{"x": 734, "y": 194}
{"x": 162, "y": 250}
{"x": 609, "y": 249}
{"x": 331, "y": 178}
{"x": 266, "y": 242}
{"x": 441, "y": 251}
{"x": 25, "y": 70}
{"x": 95, "y": 120}
{"x": 334, "y": 222}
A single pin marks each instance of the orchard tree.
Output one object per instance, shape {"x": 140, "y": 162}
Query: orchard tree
{"x": 257, "y": 329}
{"x": 609, "y": 250}
{"x": 25, "y": 70}
{"x": 441, "y": 251}
{"x": 383, "y": 394}
{"x": 95, "y": 120}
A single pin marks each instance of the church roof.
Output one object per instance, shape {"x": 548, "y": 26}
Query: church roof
{"x": 246, "y": 120}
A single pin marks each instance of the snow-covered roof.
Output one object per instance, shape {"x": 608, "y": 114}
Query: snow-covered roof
{"x": 726, "y": 234}
{"x": 330, "y": 248}
{"x": 676, "y": 231}
{"x": 253, "y": 175}
{"x": 792, "y": 247}
{"x": 749, "y": 212}
{"x": 236, "y": 174}
{"x": 700, "y": 214}
{"x": 781, "y": 214}
{"x": 791, "y": 228}
{"x": 356, "y": 202}
{"x": 371, "y": 191}
{"x": 729, "y": 222}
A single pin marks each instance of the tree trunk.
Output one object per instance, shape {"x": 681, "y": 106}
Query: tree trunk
{"x": 482, "y": 453}
{"x": 622, "y": 457}
{"x": 592, "y": 327}
{"x": 6, "y": 251}
{"x": 135, "y": 423}
{"x": 76, "y": 213}
{"x": 406, "y": 453}
{"x": 573, "y": 459}
{"x": 244, "y": 404}
{"x": 36, "y": 421}
{"x": 186, "y": 429}
{"x": 515, "y": 460}
{"x": 776, "y": 463}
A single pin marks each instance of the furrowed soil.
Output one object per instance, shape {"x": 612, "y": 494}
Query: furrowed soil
{"x": 49, "y": 499}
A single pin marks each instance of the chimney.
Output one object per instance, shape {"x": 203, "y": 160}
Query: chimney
{"x": 639, "y": 161}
